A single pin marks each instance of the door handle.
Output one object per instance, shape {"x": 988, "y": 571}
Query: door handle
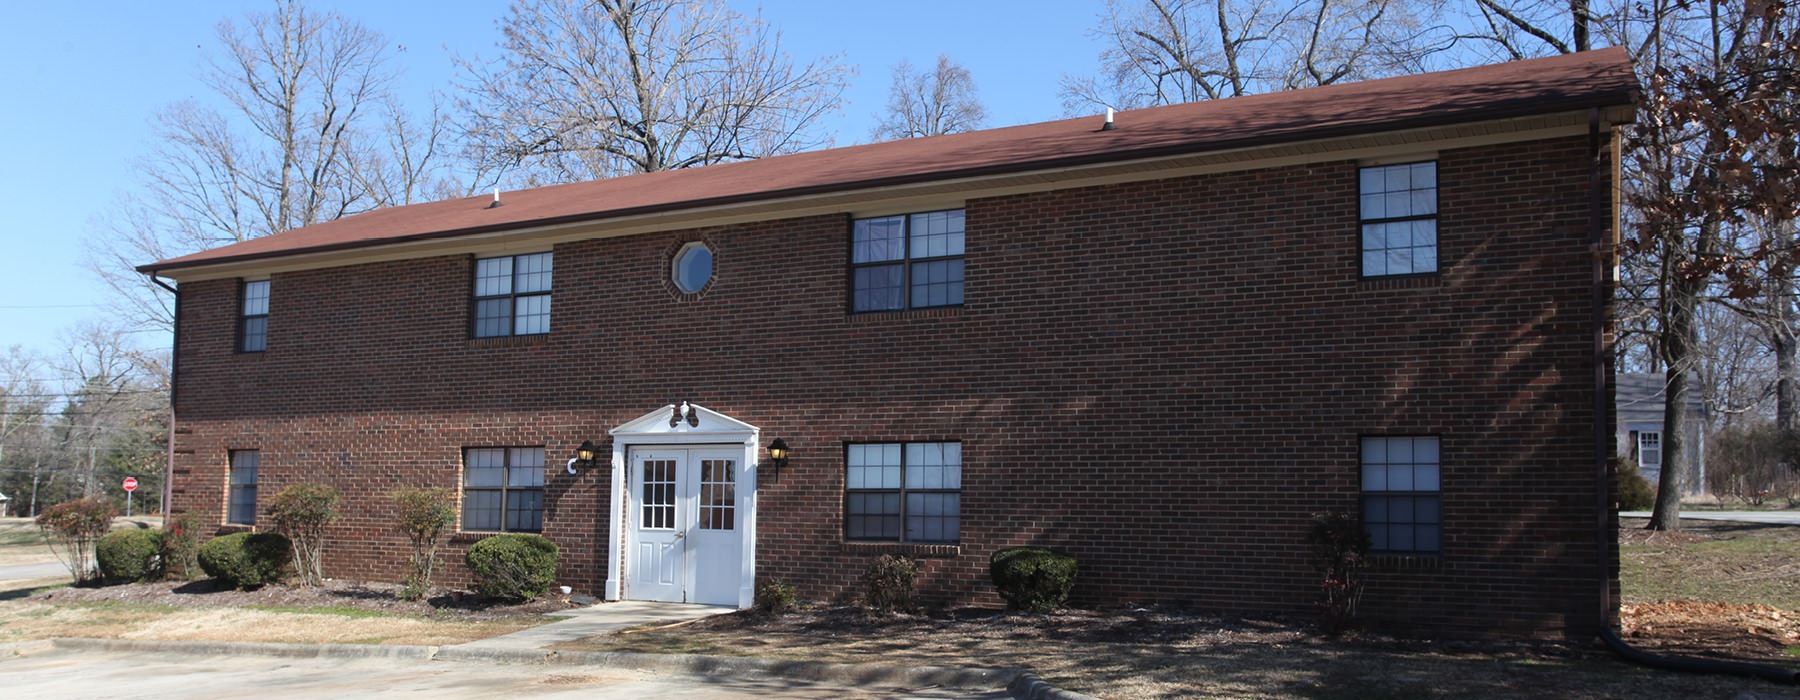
{"x": 681, "y": 534}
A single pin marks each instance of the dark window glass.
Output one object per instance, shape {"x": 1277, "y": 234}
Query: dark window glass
{"x": 904, "y": 492}
{"x": 241, "y": 493}
{"x": 1401, "y": 501}
{"x": 503, "y": 489}
{"x": 512, "y": 295}
{"x": 907, "y": 262}
{"x": 693, "y": 267}
{"x": 253, "y": 326}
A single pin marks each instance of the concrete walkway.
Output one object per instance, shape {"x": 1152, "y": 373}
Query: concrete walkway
{"x": 596, "y": 619}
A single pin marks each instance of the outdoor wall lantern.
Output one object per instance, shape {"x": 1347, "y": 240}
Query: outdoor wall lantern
{"x": 584, "y": 455}
{"x": 778, "y": 455}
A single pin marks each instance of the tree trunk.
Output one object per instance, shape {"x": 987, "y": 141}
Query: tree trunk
{"x": 1679, "y": 339}
{"x": 1780, "y": 327}
{"x": 1667, "y": 515}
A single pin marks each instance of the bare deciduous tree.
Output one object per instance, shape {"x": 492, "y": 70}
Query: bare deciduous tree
{"x": 1720, "y": 96}
{"x": 921, "y": 103}
{"x": 301, "y": 129}
{"x": 598, "y": 88}
{"x": 1171, "y": 51}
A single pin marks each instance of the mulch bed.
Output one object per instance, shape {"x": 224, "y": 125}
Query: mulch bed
{"x": 334, "y": 593}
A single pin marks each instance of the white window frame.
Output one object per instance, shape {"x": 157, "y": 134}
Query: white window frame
{"x": 1650, "y": 442}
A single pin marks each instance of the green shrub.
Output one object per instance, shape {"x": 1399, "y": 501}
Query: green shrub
{"x": 130, "y": 556}
{"x": 513, "y": 566}
{"x": 245, "y": 560}
{"x": 424, "y": 516}
{"x": 774, "y": 599}
{"x": 1032, "y": 578}
{"x": 76, "y": 526}
{"x": 181, "y": 547}
{"x": 888, "y": 583}
{"x": 301, "y": 512}
{"x": 1635, "y": 492}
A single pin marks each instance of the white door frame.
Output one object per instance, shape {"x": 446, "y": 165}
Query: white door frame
{"x": 708, "y": 428}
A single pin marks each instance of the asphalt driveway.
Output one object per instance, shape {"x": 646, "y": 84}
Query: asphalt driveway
{"x": 1767, "y": 517}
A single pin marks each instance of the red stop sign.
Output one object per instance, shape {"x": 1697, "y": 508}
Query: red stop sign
{"x": 130, "y": 483}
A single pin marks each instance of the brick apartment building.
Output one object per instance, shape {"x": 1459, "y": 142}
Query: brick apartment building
{"x": 1160, "y": 345}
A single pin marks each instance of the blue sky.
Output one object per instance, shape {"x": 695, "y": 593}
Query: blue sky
{"x": 84, "y": 80}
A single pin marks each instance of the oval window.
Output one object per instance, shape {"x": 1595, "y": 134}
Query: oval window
{"x": 693, "y": 267}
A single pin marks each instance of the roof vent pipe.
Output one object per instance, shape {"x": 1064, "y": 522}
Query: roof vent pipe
{"x": 496, "y": 199}
{"x": 1108, "y": 126}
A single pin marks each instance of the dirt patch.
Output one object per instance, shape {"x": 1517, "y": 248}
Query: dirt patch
{"x": 1741, "y": 632}
{"x": 1128, "y": 654}
{"x": 340, "y": 612}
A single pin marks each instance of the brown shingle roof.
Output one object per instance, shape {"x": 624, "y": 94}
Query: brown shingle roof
{"x": 1540, "y": 86}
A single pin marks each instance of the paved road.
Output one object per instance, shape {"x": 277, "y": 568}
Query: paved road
{"x": 1770, "y": 517}
{"x": 71, "y": 673}
{"x": 30, "y": 571}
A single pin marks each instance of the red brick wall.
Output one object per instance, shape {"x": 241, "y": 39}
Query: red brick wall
{"x": 1164, "y": 379}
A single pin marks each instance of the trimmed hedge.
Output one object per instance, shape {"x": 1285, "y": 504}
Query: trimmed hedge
{"x": 513, "y": 566}
{"x": 130, "y": 556}
{"x": 246, "y": 560}
{"x": 1032, "y": 578}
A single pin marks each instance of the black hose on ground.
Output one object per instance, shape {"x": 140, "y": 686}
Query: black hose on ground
{"x": 1691, "y": 665}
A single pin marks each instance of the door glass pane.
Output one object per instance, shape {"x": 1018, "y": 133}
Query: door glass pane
{"x": 658, "y": 495}
{"x": 718, "y": 492}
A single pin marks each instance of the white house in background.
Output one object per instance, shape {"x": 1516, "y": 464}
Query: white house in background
{"x": 1638, "y": 413}
{"x": 5, "y": 505}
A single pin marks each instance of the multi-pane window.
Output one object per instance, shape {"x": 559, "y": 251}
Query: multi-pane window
{"x": 512, "y": 295}
{"x": 240, "y": 496}
{"x": 503, "y": 489}
{"x": 253, "y": 320}
{"x": 904, "y": 492}
{"x": 718, "y": 494}
{"x": 912, "y": 261}
{"x": 1649, "y": 444}
{"x": 1399, "y": 212}
{"x": 1401, "y": 502}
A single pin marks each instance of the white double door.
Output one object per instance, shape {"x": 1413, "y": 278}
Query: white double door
{"x": 685, "y": 516}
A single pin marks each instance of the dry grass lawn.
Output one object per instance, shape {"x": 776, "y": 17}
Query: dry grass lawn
{"x": 28, "y": 620}
{"x": 22, "y": 543}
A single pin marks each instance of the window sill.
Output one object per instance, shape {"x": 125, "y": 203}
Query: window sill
{"x": 917, "y": 551}
{"x": 1406, "y": 562}
{"x": 892, "y": 316}
{"x": 501, "y": 341}
{"x": 233, "y": 528}
{"x": 1430, "y": 280}
{"x": 468, "y": 537}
